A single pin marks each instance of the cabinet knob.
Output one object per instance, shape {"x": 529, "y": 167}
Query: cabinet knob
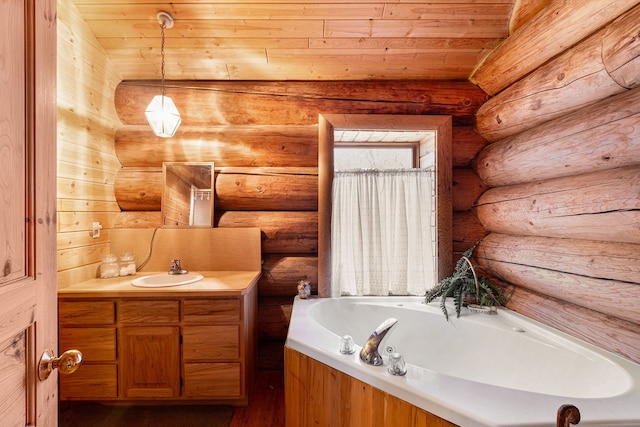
{"x": 67, "y": 363}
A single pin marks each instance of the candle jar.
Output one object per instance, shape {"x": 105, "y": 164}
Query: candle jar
{"x": 109, "y": 267}
{"x": 127, "y": 264}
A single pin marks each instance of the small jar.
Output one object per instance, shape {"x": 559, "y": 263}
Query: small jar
{"x": 127, "y": 264}
{"x": 109, "y": 267}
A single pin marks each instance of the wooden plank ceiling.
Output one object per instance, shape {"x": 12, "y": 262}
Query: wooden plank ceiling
{"x": 298, "y": 40}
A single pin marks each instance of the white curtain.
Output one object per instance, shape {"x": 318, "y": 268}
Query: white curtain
{"x": 383, "y": 232}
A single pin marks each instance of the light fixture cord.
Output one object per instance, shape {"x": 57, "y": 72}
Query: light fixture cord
{"x": 162, "y": 25}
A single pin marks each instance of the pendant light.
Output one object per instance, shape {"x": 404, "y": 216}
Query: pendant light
{"x": 162, "y": 114}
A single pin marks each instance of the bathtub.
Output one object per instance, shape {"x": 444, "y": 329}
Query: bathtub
{"x": 476, "y": 370}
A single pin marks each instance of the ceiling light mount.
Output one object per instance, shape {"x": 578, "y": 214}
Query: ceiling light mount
{"x": 164, "y": 19}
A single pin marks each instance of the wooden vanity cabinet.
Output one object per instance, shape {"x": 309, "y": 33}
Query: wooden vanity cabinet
{"x": 171, "y": 348}
{"x": 90, "y": 326}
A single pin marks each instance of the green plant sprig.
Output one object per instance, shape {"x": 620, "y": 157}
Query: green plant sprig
{"x": 461, "y": 284}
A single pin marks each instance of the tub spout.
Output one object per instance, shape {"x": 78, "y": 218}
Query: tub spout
{"x": 369, "y": 353}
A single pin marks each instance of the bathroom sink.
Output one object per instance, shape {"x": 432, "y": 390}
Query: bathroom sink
{"x": 166, "y": 280}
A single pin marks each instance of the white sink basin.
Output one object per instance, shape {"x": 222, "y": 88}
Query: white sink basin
{"x": 166, "y": 280}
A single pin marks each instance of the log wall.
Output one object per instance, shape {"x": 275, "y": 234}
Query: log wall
{"x": 263, "y": 138}
{"x": 563, "y": 205}
{"x": 86, "y": 159}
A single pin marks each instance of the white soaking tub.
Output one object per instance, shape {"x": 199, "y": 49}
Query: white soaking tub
{"x": 476, "y": 370}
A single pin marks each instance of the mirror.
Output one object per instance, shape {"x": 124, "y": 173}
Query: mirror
{"x": 187, "y": 194}
{"x": 440, "y": 125}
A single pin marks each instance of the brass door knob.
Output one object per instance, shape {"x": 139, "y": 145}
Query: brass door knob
{"x": 67, "y": 363}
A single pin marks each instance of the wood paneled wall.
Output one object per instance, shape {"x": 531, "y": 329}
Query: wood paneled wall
{"x": 87, "y": 163}
{"x": 263, "y": 138}
{"x": 563, "y": 207}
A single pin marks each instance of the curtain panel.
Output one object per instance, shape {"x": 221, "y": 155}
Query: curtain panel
{"x": 383, "y": 232}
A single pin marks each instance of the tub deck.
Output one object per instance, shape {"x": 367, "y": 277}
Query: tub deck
{"x": 317, "y": 324}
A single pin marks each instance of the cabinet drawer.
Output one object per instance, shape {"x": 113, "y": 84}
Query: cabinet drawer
{"x": 221, "y": 380}
{"x": 212, "y": 310}
{"x": 157, "y": 311}
{"x": 86, "y": 312}
{"x": 90, "y": 382}
{"x": 211, "y": 343}
{"x": 95, "y": 344}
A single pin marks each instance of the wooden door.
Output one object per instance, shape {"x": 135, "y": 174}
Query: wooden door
{"x": 28, "y": 324}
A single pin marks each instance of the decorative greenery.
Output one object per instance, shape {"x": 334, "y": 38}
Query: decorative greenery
{"x": 461, "y": 286}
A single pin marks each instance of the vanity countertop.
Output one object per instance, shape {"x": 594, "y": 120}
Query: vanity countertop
{"x": 220, "y": 283}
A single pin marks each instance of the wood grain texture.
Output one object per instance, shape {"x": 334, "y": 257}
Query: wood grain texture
{"x": 621, "y": 49}
{"x": 523, "y": 11}
{"x": 466, "y": 189}
{"x": 86, "y": 125}
{"x": 281, "y": 273}
{"x": 604, "y": 331}
{"x": 175, "y": 347}
{"x": 561, "y": 24}
{"x": 298, "y": 103}
{"x": 598, "y": 137}
{"x": 282, "y": 231}
{"x": 299, "y": 40}
{"x": 226, "y": 146}
{"x": 597, "y": 206}
{"x": 570, "y": 81}
{"x": 315, "y": 394}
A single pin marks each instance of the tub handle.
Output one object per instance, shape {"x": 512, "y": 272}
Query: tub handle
{"x": 567, "y": 415}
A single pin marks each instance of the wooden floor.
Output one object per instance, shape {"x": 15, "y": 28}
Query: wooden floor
{"x": 266, "y": 402}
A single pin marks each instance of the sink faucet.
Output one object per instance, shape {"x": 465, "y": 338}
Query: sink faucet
{"x": 176, "y": 268}
{"x": 369, "y": 353}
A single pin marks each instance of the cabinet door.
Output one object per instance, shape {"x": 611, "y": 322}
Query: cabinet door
{"x": 149, "y": 362}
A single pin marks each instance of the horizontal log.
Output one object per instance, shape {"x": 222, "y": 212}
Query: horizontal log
{"x": 297, "y": 103}
{"x": 607, "y": 332}
{"x": 587, "y": 258}
{"x": 282, "y": 191}
{"x": 281, "y": 273}
{"x": 274, "y": 315}
{"x": 466, "y": 144}
{"x": 467, "y": 232}
{"x": 602, "y": 206}
{"x": 598, "y": 137}
{"x": 138, "y": 219}
{"x": 138, "y": 189}
{"x": 523, "y": 11}
{"x": 612, "y": 297}
{"x": 567, "y": 83}
{"x": 562, "y": 23}
{"x": 282, "y": 232}
{"x": 247, "y": 146}
{"x": 466, "y": 188}
{"x": 621, "y": 49}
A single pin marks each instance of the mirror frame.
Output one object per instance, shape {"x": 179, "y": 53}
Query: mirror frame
{"x": 164, "y": 193}
{"x": 440, "y": 125}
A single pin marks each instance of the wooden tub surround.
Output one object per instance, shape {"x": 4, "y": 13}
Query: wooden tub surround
{"x": 183, "y": 344}
{"x": 319, "y": 395}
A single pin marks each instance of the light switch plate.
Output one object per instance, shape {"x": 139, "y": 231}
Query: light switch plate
{"x": 95, "y": 229}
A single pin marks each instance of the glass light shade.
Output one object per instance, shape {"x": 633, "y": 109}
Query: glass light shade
{"x": 163, "y": 116}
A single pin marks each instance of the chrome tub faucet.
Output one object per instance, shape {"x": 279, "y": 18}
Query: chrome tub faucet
{"x": 369, "y": 353}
